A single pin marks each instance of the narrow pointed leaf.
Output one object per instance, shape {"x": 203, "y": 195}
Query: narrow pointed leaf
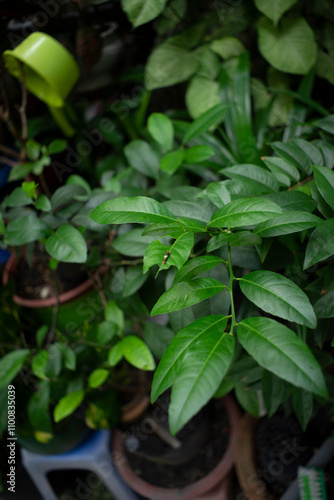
{"x": 321, "y": 244}
{"x": 324, "y": 179}
{"x": 265, "y": 179}
{"x": 132, "y": 243}
{"x": 67, "y": 405}
{"x": 244, "y": 212}
{"x": 200, "y": 373}
{"x": 324, "y": 307}
{"x": 161, "y": 129}
{"x": 205, "y": 121}
{"x": 137, "y": 353}
{"x": 218, "y": 194}
{"x": 137, "y": 209}
{"x": 279, "y": 296}
{"x": 167, "y": 369}
{"x": 11, "y": 364}
{"x": 292, "y": 200}
{"x": 280, "y": 351}
{"x": 186, "y": 294}
{"x": 171, "y": 161}
{"x": 273, "y": 389}
{"x": 287, "y": 223}
{"x": 196, "y": 266}
{"x": 241, "y": 239}
{"x": 97, "y": 377}
{"x": 279, "y": 165}
{"x": 303, "y": 406}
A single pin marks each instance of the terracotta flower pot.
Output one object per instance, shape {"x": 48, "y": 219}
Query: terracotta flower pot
{"x": 215, "y": 483}
{"x": 72, "y": 308}
{"x": 136, "y": 407}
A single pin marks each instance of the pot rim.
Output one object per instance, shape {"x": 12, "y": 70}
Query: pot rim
{"x": 193, "y": 490}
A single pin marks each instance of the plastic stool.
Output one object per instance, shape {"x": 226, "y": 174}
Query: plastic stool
{"x": 93, "y": 454}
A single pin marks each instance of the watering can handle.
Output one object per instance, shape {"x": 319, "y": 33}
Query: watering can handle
{"x": 61, "y": 117}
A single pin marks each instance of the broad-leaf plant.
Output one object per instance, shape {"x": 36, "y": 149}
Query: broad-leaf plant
{"x": 245, "y": 246}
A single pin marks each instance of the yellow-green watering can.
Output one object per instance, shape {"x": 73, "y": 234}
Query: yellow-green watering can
{"x": 49, "y": 72}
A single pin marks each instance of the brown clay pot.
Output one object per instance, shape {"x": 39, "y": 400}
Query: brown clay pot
{"x": 245, "y": 463}
{"x": 135, "y": 408}
{"x": 215, "y": 483}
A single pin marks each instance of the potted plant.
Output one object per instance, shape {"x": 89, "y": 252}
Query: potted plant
{"x": 248, "y": 236}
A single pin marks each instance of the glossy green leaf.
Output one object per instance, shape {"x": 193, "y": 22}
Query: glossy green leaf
{"x": 199, "y": 375}
{"x": 143, "y": 158}
{"x": 174, "y": 229}
{"x": 69, "y": 357}
{"x": 293, "y": 154}
{"x": 134, "y": 279}
{"x": 218, "y": 194}
{"x": 38, "y": 408}
{"x": 197, "y": 154}
{"x": 324, "y": 306}
{"x": 161, "y": 129}
{"x": 30, "y": 188}
{"x": 114, "y": 314}
{"x": 244, "y": 212}
{"x": 43, "y": 203}
{"x": 292, "y": 200}
{"x": 265, "y": 179}
{"x": 142, "y": 11}
{"x": 279, "y": 165}
{"x": 326, "y": 124}
{"x": 79, "y": 181}
{"x": 277, "y": 295}
{"x": 115, "y": 354}
{"x": 309, "y": 149}
{"x": 157, "y": 337}
{"x": 199, "y": 210}
{"x": 24, "y": 230}
{"x": 324, "y": 179}
{"x": 154, "y": 255}
{"x": 57, "y": 146}
{"x": 67, "y": 245}
{"x": 97, "y": 378}
{"x": 39, "y": 362}
{"x": 137, "y": 353}
{"x": 290, "y": 47}
{"x": 274, "y": 9}
{"x": 248, "y": 399}
{"x": 54, "y": 364}
{"x": 174, "y": 255}
{"x": 172, "y": 161}
{"x": 170, "y": 363}
{"x": 196, "y": 266}
{"x": 241, "y": 239}
{"x": 66, "y": 194}
{"x": 227, "y": 47}
{"x": 321, "y": 244}
{"x": 287, "y": 223}
{"x": 11, "y": 364}
{"x": 67, "y": 405}
{"x": 303, "y": 406}
{"x": 205, "y": 121}
{"x": 186, "y": 294}
{"x": 41, "y": 334}
{"x": 273, "y": 390}
{"x": 33, "y": 149}
{"x": 132, "y": 243}
{"x": 17, "y": 198}
{"x": 138, "y": 209}
{"x": 280, "y": 351}
{"x": 201, "y": 95}
{"x": 106, "y": 331}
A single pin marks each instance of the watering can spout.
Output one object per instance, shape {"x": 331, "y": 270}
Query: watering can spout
{"x": 49, "y": 72}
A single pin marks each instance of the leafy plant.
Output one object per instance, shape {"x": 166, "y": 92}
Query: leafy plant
{"x": 239, "y": 252}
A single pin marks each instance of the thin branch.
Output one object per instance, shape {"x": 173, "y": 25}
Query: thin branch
{"x": 301, "y": 183}
{"x": 9, "y": 151}
{"x": 9, "y": 162}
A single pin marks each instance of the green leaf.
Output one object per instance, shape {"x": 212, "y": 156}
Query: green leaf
{"x": 326, "y": 124}
{"x": 33, "y": 149}
{"x": 171, "y": 62}
{"x": 266, "y": 180}
{"x": 67, "y": 245}
{"x": 38, "y": 408}
{"x": 205, "y": 121}
{"x": 186, "y": 294}
{"x": 137, "y": 353}
{"x": 196, "y": 266}
{"x": 39, "y": 362}
{"x": 309, "y": 149}
{"x": 280, "y": 351}
{"x": 293, "y": 200}
{"x": 287, "y": 223}
{"x": 157, "y": 337}
{"x": 67, "y": 405}
{"x": 142, "y": 11}
{"x": 321, "y": 244}
{"x": 11, "y": 364}
{"x": 324, "y": 306}
{"x": 43, "y": 203}
{"x": 97, "y": 378}
{"x": 134, "y": 279}
{"x": 24, "y": 230}
{"x": 200, "y": 211}
{"x": 106, "y": 331}
{"x": 244, "y": 212}
{"x": 115, "y": 354}
{"x": 79, "y": 181}
{"x": 142, "y": 158}
{"x": 279, "y": 296}
{"x": 324, "y": 179}
{"x": 114, "y": 314}
{"x": 197, "y": 154}
{"x": 132, "y": 243}
{"x": 227, "y": 47}
{"x": 20, "y": 171}
{"x": 171, "y": 161}
{"x": 293, "y": 154}
{"x": 303, "y": 406}
{"x": 274, "y": 9}
{"x": 138, "y": 209}
{"x": 161, "y": 129}
{"x": 273, "y": 390}
{"x": 174, "y": 229}
{"x": 41, "y": 334}
{"x": 218, "y": 194}
{"x": 57, "y": 146}
{"x": 280, "y": 166}
{"x": 248, "y": 399}
{"x": 199, "y": 375}
{"x": 30, "y": 188}
{"x": 201, "y": 95}
{"x": 18, "y": 198}
{"x": 290, "y": 47}
{"x": 69, "y": 356}
{"x": 66, "y": 194}
{"x": 170, "y": 363}
{"x": 241, "y": 239}
{"x": 54, "y": 362}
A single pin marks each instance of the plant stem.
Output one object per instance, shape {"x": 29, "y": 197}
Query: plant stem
{"x": 231, "y": 291}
